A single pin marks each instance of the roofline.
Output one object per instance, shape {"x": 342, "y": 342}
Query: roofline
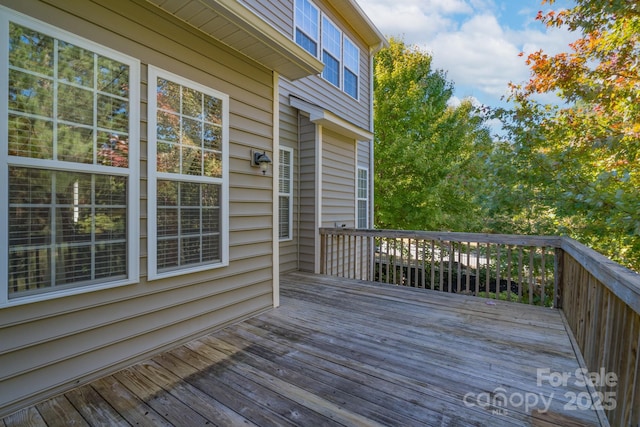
{"x": 352, "y": 13}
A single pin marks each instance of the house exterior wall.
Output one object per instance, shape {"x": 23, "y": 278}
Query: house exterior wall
{"x": 327, "y": 195}
{"x": 338, "y": 188}
{"x": 51, "y": 345}
{"x": 307, "y": 206}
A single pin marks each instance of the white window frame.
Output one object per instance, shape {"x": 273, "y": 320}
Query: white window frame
{"x": 131, "y": 172}
{"x": 153, "y": 74}
{"x": 300, "y": 26}
{"x": 345, "y": 66}
{"x": 324, "y": 46}
{"x": 289, "y": 195}
{"x": 362, "y": 199}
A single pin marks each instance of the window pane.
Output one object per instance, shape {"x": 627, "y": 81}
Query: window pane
{"x": 211, "y": 248}
{"x": 30, "y": 50}
{"x": 30, "y": 94}
{"x": 350, "y": 83}
{"x": 62, "y": 220}
{"x": 331, "y": 70}
{"x": 284, "y": 217}
{"x": 331, "y": 38}
{"x": 72, "y": 91}
{"x": 168, "y": 158}
{"x": 75, "y": 144}
{"x": 113, "y": 151}
{"x": 188, "y": 217}
{"x": 167, "y": 253}
{"x": 75, "y": 104}
{"x": 212, "y": 164}
{"x": 75, "y": 65}
{"x": 113, "y": 113}
{"x": 212, "y": 137}
{"x": 191, "y": 102}
{"x": 30, "y": 137}
{"x": 111, "y": 258}
{"x": 168, "y": 96}
{"x": 113, "y": 77}
{"x": 212, "y": 110}
{"x": 306, "y": 42}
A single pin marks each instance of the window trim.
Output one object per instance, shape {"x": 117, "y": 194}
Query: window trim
{"x": 361, "y": 199}
{"x": 153, "y": 176}
{"x": 289, "y": 195}
{"x": 131, "y": 172}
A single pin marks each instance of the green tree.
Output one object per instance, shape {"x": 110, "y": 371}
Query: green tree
{"x": 428, "y": 154}
{"x": 578, "y": 162}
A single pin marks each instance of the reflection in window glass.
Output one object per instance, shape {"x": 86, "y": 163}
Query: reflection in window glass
{"x": 188, "y": 181}
{"x": 67, "y": 164}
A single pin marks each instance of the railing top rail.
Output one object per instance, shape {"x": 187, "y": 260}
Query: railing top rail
{"x": 450, "y": 236}
{"x": 624, "y": 283}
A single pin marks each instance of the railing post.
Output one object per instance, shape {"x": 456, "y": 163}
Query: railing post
{"x": 558, "y": 261}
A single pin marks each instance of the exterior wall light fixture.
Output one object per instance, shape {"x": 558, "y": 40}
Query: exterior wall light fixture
{"x": 260, "y": 160}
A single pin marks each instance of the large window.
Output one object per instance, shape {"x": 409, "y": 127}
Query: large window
{"x": 331, "y": 49}
{"x": 307, "y": 28}
{"x": 362, "y": 198}
{"x": 351, "y": 68}
{"x": 69, "y": 122}
{"x": 188, "y": 184}
{"x": 285, "y": 179}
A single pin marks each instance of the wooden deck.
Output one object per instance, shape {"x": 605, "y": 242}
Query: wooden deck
{"x": 344, "y": 352}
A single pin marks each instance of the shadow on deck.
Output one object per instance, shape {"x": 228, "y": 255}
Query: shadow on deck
{"x": 347, "y": 352}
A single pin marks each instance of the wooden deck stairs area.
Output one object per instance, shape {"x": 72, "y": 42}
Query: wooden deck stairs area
{"x": 348, "y": 352}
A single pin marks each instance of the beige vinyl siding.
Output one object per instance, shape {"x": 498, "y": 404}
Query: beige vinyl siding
{"x": 53, "y": 345}
{"x": 279, "y": 13}
{"x": 307, "y": 223}
{"x": 339, "y": 186}
{"x": 289, "y": 138}
{"x": 364, "y": 149}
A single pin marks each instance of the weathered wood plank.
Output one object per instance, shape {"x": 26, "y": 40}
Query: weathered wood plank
{"x": 94, "y": 409}
{"x": 159, "y": 370}
{"x": 28, "y": 417}
{"x": 134, "y": 410}
{"x": 60, "y": 412}
{"x": 170, "y": 408}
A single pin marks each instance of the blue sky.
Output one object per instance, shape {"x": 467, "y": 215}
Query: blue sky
{"x": 476, "y": 42}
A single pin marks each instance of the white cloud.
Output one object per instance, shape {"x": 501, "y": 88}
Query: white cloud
{"x": 477, "y": 42}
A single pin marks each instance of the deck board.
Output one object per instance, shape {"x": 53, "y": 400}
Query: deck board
{"x": 341, "y": 352}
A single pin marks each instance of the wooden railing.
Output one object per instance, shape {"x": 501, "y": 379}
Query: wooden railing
{"x": 599, "y": 299}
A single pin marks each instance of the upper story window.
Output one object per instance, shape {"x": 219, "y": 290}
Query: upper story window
{"x": 71, "y": 160}
{"x": 188, "y": 176}
{"x": 331, "y": 51}
{"x": 307, "y": 29}
{"x": 351, "y": 68}
{"x": 340, "y": 56}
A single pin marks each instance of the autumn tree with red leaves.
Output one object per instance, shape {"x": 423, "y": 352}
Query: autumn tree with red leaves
{"x": 573, "y": 167}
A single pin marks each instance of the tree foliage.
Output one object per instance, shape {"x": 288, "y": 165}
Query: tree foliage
{"x": 428, "y": 154}
{"x": 577, "y": 162}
